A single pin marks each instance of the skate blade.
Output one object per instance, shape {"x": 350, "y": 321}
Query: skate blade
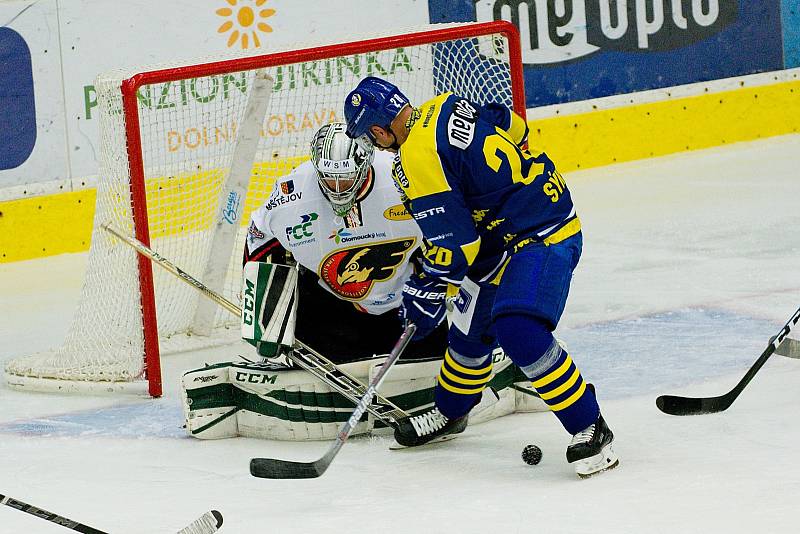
{"x": 397, "y": 447}
{"x": 594, "y": 465}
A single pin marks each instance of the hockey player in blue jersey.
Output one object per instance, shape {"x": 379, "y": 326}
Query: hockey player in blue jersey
{"x": 501, "y": 229}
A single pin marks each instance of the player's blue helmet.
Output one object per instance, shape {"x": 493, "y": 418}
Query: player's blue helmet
{"x": 373, "y": 102}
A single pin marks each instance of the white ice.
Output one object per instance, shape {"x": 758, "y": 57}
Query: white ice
{"x": 690, "y": 265}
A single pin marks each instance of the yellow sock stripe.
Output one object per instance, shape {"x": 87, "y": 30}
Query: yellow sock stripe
{"x": 562, "y": 388}
{"x": 546, "y": 379}
{"x": 464, "y": 381}
{"x": 460, "y": 391}
{"x": 466, "y": 370}
{"x": 571, "y": 400}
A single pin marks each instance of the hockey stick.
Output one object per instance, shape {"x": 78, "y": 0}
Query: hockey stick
{"x": 274, "y": 468}
{"x": 49, "y": 516}
{"x": 349, "y": 387}
{"x": 675, "y": 405}
{"x": 303, "y": 356}
{"x": 207, "y": 523}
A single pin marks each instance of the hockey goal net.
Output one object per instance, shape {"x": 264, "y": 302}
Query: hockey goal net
{"x": 189, "y": 150}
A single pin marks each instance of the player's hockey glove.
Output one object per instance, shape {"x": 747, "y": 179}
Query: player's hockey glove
{"x": 423, "y": 303}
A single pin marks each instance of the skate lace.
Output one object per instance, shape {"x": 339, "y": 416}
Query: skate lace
{"x": 584, "y": 436}
{"x": 205, "y": 524}
{"x": 429, "y": 422}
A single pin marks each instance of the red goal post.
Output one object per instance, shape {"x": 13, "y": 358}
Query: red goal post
{"x": 187, "y": 151}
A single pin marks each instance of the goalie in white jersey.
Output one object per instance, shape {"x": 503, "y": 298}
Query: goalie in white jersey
{"x": 340, "y": 217}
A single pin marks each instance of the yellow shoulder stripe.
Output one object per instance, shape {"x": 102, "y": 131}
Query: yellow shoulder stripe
{"x": 517, "y": 129}
{"x": 419, "y": 157}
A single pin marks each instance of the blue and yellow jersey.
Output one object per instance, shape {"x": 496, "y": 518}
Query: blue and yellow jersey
{"x": 476, "y": 194}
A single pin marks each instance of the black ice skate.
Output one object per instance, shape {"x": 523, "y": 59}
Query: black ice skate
{"x": 590, "y": 450}
{"x": 430, "y": 426}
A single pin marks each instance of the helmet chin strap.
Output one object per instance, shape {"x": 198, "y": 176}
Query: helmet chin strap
{"x": 395, "y": 145}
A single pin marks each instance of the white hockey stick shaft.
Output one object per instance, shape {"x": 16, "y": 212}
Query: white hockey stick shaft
{"x": 232, "y": 196}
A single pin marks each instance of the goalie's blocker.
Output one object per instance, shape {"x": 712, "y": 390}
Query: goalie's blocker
{"x": 269, "y": 307}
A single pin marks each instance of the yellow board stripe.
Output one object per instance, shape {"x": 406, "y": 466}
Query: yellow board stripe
{"x": 466, "y": 370}
{"x": 45, "y": 226}
{"x": 55, "y": 224}
{"x": 562, "y": 388}
{"x": 597, "y": 138}
{"x": 555, "y": 375}
{"x": 570, "y": 400}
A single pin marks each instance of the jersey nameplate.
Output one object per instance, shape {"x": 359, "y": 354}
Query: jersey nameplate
{"x": 461, "y": 125}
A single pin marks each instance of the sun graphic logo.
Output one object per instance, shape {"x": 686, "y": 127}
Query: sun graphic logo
{"x": 245, "y": 20}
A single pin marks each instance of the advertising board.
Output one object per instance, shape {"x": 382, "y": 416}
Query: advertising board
{"x": 581, "y": 49}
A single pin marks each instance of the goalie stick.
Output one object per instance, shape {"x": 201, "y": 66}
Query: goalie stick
{"x": 675, "y": 405}
{"x": 207, "y": 523}
{"x": 274, "y": 468}
{"x": 303, "y": 356}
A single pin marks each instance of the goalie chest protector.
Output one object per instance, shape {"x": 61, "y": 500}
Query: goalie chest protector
{"x": 363, "y": 257}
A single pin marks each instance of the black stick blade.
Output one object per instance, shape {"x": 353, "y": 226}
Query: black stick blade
{"x": 678, "y": 405}
{"x": 284, "y": 469}
{"x": 673, "y": 405}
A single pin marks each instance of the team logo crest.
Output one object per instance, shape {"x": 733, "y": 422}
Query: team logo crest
{"x": 287, "y": 187}
{"x": 356, "y": 100}
{"x": 351, "y": 273}
{"x": 254, "y": 232}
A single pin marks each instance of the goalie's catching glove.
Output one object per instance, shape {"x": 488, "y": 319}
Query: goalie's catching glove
{"x": 423, "y": 303}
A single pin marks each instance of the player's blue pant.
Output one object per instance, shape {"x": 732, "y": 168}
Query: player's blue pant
{"x": 518, "y": 308}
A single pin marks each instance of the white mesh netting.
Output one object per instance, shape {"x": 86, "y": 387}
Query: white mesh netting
{"x": 188, "y": 130}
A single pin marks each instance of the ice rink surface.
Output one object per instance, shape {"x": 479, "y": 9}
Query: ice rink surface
{"x": 690, "y": 264}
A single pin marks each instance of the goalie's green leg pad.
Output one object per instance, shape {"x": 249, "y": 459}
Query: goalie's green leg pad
{"x": 270, "y": 402}
{"x": 274, "y": 402}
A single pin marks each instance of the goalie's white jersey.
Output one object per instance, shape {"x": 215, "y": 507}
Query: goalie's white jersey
{"x": 363, "y": 258}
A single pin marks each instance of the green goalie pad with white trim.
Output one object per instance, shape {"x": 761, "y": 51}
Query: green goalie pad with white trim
{"x": 269, "y": 306}
{"x": 272, "y": 402}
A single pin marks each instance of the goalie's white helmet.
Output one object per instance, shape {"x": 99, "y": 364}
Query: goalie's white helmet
{"x": 342, "y": 165}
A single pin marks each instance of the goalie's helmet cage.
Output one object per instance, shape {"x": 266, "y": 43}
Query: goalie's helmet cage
{"x": 172, "y": 141}
{"x": 342, "y": 165}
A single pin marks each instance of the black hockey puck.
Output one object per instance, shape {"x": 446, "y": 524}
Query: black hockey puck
{"x": 531, "y": 454}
